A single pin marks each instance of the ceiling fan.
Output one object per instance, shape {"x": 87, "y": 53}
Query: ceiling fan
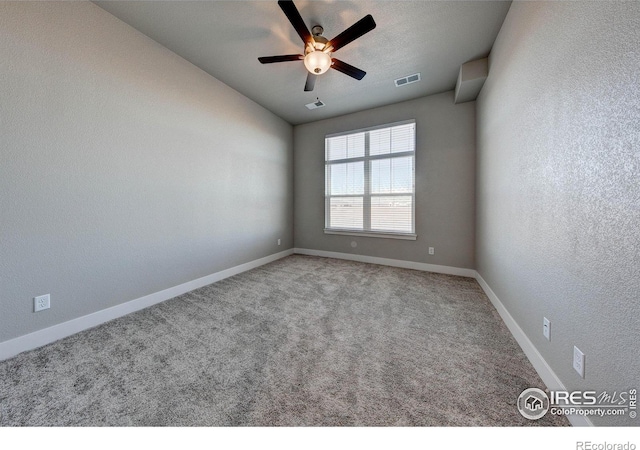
{"x": 317, "y": 49}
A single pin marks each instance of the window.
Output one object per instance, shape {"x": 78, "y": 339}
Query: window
{"x": 369, "y": 181}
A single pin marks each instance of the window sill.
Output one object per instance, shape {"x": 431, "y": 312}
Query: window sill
{"x": 404, "y": 236}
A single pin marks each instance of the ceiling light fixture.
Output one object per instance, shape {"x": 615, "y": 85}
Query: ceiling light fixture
{"x": 317, "y": 49}
{"x": 317, "y": 62}
{"x": 317, "y": 54}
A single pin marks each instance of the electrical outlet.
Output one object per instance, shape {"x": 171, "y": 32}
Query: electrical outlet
{"x": 578, "y": 361}
{"x": 431, "y": 250}
{"x": 278, "y": 241}
{"x": 41, "y": 302}
{"x": 546, "y": 328}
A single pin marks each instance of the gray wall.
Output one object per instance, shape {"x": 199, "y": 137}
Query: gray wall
{"x": 558, "y": 187}
{"x": 445, "y": 182}
{"x": 124, "y": 170}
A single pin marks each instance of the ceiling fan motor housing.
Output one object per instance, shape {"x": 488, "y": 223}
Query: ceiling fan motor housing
{"x": 319, "y": 43}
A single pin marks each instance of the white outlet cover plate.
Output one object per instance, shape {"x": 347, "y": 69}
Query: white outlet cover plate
{"x": 578, "y": 361}
{"x": 546, "y": 328}
{"x": 41, "y": 302}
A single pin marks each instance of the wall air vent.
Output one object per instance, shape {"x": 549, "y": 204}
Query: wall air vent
{"x": 407, "y": 80}
{"x": 315, "y": 105}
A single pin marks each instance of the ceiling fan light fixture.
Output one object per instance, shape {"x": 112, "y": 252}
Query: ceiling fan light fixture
{"x": 317, "y": 62}
{"x": 317, "y": 49}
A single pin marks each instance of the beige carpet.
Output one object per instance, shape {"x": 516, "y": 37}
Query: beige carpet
{"x": 302, "y": 341}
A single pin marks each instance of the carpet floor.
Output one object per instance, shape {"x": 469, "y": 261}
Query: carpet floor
{"x": 303, "y": 341}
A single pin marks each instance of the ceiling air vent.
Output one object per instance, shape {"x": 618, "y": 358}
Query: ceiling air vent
{"x": 315, "y": 105}
{"x": 407, "y": 80}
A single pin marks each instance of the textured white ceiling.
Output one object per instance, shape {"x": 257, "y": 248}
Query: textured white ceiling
{"x": 225, "y": 39}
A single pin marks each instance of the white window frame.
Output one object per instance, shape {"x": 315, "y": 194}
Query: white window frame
{"x": 366, "y": 196}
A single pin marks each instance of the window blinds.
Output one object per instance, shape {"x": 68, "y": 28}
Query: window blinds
{"x": 370, "y": 179}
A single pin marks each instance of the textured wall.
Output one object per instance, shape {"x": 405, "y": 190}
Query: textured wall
{"x": 558, "y": 184}
{"x": 124, "y": 169}
{"x": 445, "y": 165}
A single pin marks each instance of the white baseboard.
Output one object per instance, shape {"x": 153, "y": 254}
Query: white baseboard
{"x": 544, "y": 370}
{"x": 470, "y": 273}
{"x": 48, "y": 335}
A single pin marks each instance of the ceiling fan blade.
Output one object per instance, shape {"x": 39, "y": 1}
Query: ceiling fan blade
{"x": 311, "y": 82}
{"x": 347, "y": 69}
{"x": 280, "y": 58}
{"x": 294, "y": 17}
{"x": 361, "y": 27}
